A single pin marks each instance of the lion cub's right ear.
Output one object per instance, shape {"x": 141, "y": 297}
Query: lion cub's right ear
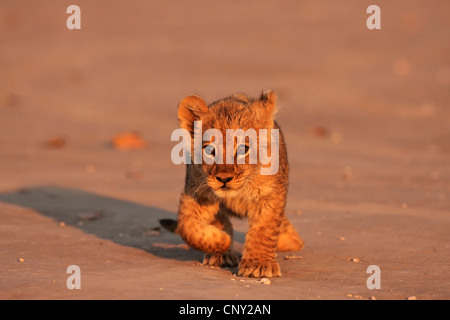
{"x": 189, "y": 110}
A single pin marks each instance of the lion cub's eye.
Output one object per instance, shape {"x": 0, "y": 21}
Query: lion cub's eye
{"x": 242, "y": 150}
{"x": 209, "y": 150}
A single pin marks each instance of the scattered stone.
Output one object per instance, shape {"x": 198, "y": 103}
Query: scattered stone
{"x": 289, "y": 257}
{"x": 319, "y": 132}
{"x": 264, "y": 280}
{"x": 154, "y": 232}
{"x": 336, "y": 137}
{"x": 56, "y": 142}
{"x": 435, "y": 175}
{"x": 183, "y": 246}
{"x": 75, "y": 77}
{"x": 9, "y": 99}
{"x": 442, "y": 76}
{"x": 89, "y": 216}
{"x": 401, "y": 67}
{"x": 90, "y": 168}
{"x": 129, "y": 141}
{"x": 348, "y": 174}
{"x": 134, "y": 175}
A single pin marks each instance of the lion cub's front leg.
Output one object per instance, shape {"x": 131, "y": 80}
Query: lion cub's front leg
{"x": 204, "y": 227}
{"x": 258, "y": 259}
{"x": 228, "y": 258}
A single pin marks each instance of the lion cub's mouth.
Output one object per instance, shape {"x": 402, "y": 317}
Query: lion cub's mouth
{"x": 226, "y": 192}
{"x": 224, "y": 188}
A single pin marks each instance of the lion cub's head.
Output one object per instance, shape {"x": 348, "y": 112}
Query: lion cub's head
{"x": 228, "y": 161}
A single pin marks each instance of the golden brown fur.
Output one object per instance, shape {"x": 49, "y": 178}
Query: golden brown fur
{"x": 213, "y": 192}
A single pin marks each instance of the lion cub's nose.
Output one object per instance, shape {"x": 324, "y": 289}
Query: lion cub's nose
{"x": 224, "y": 178}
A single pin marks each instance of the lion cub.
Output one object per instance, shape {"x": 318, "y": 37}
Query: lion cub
{"x": 214, "y": 191}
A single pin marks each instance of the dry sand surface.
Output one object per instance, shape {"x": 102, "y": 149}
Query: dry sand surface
{"x": 365, "y": 114}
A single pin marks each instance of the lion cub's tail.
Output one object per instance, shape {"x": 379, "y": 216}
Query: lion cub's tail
{"x": 169, "y": 224}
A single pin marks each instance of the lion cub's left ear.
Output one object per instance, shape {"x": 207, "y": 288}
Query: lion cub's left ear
{"x": 267, "y": 102}
{"x": 189, "y": 110}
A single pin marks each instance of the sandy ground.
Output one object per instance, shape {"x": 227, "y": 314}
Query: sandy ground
{"x": 365, "y": 114}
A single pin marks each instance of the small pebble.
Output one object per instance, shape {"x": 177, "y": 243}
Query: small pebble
{"x": 348, "y": 173}
{"x": 336, "y": 137}
{"x": 288, "y": 257}
{"x": 90, "y": 168}
{"x": 88, "y": 216}
{"x": 21, "y": 260}
{"x": 56, "y": 142}
{"x": 411, "y": 298}
{"x": 266, "y": 281}
{"x": 134, "y": 175}
{"x": 435, "y": 175}
{"x": 319, "y": 132}
{"x": 154, "y": 232}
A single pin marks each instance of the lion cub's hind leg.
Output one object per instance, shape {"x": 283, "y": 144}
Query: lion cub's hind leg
{"x": 289, "y": 240}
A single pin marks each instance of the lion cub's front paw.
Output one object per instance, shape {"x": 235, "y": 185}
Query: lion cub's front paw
{"x": 227, "y": 259}
{"x": 259, "y": 269}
